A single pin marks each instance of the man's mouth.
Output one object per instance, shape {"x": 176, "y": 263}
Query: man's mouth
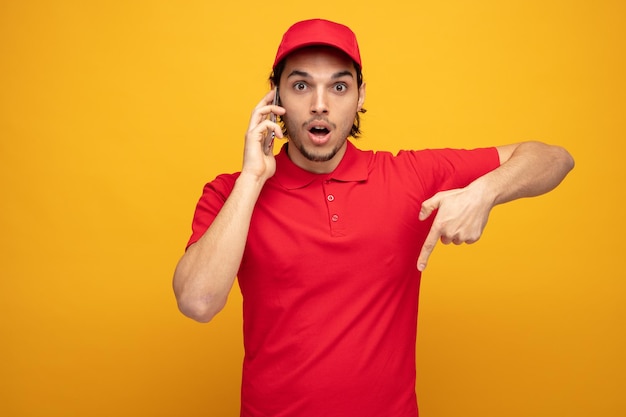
{"x": 319, "y": 134}
{"x": 319, "y": 131}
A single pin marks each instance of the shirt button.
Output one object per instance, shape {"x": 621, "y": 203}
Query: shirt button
{"x": 331, "y": 197}
{"x": 335, "y": 217}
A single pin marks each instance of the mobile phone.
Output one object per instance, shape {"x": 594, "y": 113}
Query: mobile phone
{"x": 269, "y": 138}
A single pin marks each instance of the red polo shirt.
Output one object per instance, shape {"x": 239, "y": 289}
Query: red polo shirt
{"x": 329, "y": 280}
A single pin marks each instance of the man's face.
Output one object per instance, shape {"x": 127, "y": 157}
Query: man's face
{"x": 318, "y": 89}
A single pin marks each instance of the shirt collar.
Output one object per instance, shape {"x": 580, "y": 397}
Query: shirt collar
{"x": 352, "y": 168}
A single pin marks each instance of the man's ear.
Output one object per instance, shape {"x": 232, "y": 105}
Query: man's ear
{"x": 361, "y": 97}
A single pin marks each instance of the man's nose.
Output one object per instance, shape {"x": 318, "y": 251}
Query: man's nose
{"x": 319, "y": 103}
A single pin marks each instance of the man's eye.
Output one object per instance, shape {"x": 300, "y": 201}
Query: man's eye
{"x": 299, "y": 86}
{"x": 340, "y": 88}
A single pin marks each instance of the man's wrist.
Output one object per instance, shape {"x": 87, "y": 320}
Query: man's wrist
{"x": 249, "y": 179}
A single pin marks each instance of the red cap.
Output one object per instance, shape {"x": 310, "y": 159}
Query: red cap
{"x": 318, "y": 32}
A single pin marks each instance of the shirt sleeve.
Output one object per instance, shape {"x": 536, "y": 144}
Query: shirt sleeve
{"x": 213, "y": 197}
{"x": 446, "y": 169}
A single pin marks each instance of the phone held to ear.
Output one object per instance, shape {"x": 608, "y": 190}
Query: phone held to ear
{"x": 269, "y": 138}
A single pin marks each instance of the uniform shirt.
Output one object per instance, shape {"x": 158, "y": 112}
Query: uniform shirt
{"x": 329, "y": 280}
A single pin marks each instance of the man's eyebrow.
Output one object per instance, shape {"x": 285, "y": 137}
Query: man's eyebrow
{"x": 342, "y": 74}
{"x": 305, "y": 74}
{"x": 299, "y": 73}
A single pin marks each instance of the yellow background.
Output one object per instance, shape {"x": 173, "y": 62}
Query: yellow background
{"x": 113, "y": 115}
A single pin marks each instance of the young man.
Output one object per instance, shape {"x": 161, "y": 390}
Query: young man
{"x": 329, "y": 242}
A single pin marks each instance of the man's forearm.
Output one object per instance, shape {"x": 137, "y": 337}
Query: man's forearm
{"x": 205, "y": 274}
{"x": 527, "y": 169}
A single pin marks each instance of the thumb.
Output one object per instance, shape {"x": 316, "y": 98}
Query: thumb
{"x": 428, "y": 206}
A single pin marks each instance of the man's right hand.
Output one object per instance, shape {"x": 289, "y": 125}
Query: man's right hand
{"x": 255, "y": 161}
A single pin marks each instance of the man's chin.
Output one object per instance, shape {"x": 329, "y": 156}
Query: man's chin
{"x": 318, "y": 155}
